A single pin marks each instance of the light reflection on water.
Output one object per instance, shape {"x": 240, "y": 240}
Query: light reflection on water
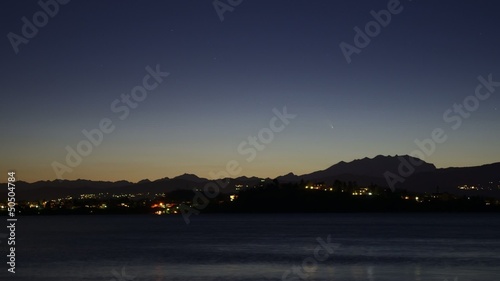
{"x": 373, "y": 247}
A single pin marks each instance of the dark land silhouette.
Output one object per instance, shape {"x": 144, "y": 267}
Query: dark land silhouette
{"x": 357, "y": 186}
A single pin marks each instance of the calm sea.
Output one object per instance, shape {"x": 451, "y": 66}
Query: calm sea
{"x": 369, "y": 247}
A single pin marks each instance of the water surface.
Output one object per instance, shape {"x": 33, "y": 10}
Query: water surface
{"x": 259, "y": 247}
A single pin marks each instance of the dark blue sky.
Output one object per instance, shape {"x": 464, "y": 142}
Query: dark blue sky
{"x": 226, "y": 77}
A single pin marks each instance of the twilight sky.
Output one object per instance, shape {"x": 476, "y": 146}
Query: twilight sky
{"x": 226, "y": 77}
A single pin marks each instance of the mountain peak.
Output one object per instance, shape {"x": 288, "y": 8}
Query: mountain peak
{"x": 189, "y": 177}
{"x": 290, "y": 177}
{"x": 371, "y": 167}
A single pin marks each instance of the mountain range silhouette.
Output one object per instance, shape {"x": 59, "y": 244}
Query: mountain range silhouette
{"x": 367, "y": 171}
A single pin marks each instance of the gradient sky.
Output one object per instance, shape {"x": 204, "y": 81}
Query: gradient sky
{"x": 226, "y": 78}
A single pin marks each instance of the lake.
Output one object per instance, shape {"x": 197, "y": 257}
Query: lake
{"x": 244, "y": 247}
